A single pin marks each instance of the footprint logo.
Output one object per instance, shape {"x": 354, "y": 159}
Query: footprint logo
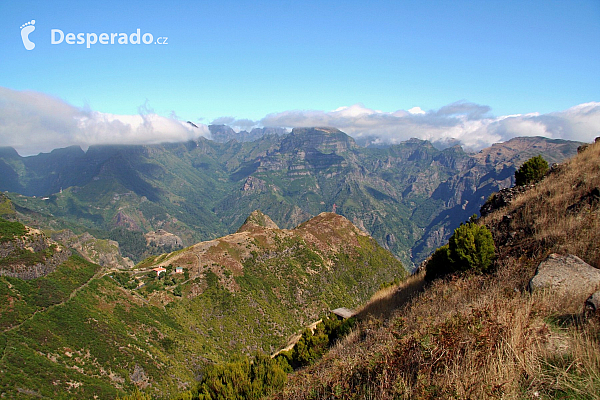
{"x": 26, "y": 29}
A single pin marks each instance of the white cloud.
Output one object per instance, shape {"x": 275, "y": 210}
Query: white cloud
{"x": 236, "y": 124}
{"x": 32, "y": 122}
{"x": 468, "y": 123}
{"x": 416, "y": 110}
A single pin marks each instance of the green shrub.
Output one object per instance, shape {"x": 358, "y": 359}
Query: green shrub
{"x": 137, "y": 395}
{"x": 439, "y": 264}
{"x": 533, "y": 170}
{"x": 313, "y": 345}
{"x": 10, "y": 230}
{"x": 239, "y": 380}
{"x": 470, "y": 248}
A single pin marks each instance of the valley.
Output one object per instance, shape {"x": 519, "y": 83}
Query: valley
{"x": 408, "y": 196}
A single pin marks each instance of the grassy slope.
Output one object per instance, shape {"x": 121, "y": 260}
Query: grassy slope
{"x": 484, "y": 336}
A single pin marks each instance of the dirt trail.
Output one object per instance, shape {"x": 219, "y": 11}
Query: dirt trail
{"x": 98, "y": 274}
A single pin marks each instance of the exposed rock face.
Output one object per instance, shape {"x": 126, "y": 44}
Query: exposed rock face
{"x": 124, "y": 220}
{"x": 254, "y": 185}
{"x": 100, "y": 251}
{"x": 163, "y": 238}
{"x": 502, "y": 198}
{"x": 585, "y": 146}
{"x": 31, "y": 256}
{"x": 224, "y": 133}
{"x": 568, "y": 275}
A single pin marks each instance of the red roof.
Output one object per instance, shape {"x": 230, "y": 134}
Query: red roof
{"x": 159, "y": 269}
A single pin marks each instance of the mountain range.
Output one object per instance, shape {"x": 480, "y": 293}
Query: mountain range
{"x": 408, "y": 196}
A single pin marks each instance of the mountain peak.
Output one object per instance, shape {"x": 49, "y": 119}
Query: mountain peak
{"x": 257, "y": 219}
{"x": 324, "y": 139}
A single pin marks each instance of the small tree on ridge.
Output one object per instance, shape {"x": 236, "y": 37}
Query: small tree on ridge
{"x": 533, "y": 170}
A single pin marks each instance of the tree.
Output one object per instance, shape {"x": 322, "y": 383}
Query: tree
{"x": 532, "y": 171}
{"x": 439, "y": 263}
{"x": 470, "y": 248}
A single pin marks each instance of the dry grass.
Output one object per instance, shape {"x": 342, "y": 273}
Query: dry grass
{"x": 470, "y": 338}
{"x": 387, "y": 300}
{"x": 561, "y": 213}
{"x": 482, "y": 337}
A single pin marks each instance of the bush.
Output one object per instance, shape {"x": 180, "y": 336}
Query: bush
{"x": 10, "y": 230}
{"x": 439, "y": 263}
{"x": 239, "y": 380}
{"x": 532, "y": 171}
{"x": 470, "y": 248}
{"x": 313, "y": 345}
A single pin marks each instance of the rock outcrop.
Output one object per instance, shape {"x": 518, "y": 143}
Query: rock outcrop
{"x": 164, "y": 239}
{"x": 502, "y": 198}
{"x": 593, "y": 302}
{"x": 103, "y": 252}
{"x": 31, "y": 255}
{"x": 566, "y": 274}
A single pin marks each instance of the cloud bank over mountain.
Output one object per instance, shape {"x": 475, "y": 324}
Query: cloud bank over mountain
{"x": 468, "y": 123}
{"x": 32, "y": 122}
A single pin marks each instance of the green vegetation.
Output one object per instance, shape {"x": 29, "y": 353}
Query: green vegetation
{"x": 532, "y": 171}
{"x": 9, "y": 231}
{"x": 131, "y": 243}
{"x": 470, "y": 248}
{"x": 19, "y": 299}
{"x": 243, "y": 379}
{"x": 312, "y": 345}
{"x": 132, "y": 329}
{"x": 6, "y": 206}
{"x": 126, "y": 280}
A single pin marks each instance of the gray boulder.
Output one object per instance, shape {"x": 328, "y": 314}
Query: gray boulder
{"x": 566, "y": 274}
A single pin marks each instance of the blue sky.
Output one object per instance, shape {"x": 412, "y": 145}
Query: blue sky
{"x": 265, "y": 60}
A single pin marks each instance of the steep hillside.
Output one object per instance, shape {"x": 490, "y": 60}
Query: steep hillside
{"x": 408, "y": 196}
{"x": 37, "y": 252}
{"x": 27, "y": 253}
{"x": 484, "y": 336}
{"x": 82, "y": 331}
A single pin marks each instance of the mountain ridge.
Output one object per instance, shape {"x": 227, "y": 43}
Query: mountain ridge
{"x": 408, "y": 196}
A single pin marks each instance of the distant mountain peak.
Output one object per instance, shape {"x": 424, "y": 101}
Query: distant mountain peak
{"x": 257, "y": 219}
{"x": 323, "y": 139}
{"x": 224, "y": 133}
